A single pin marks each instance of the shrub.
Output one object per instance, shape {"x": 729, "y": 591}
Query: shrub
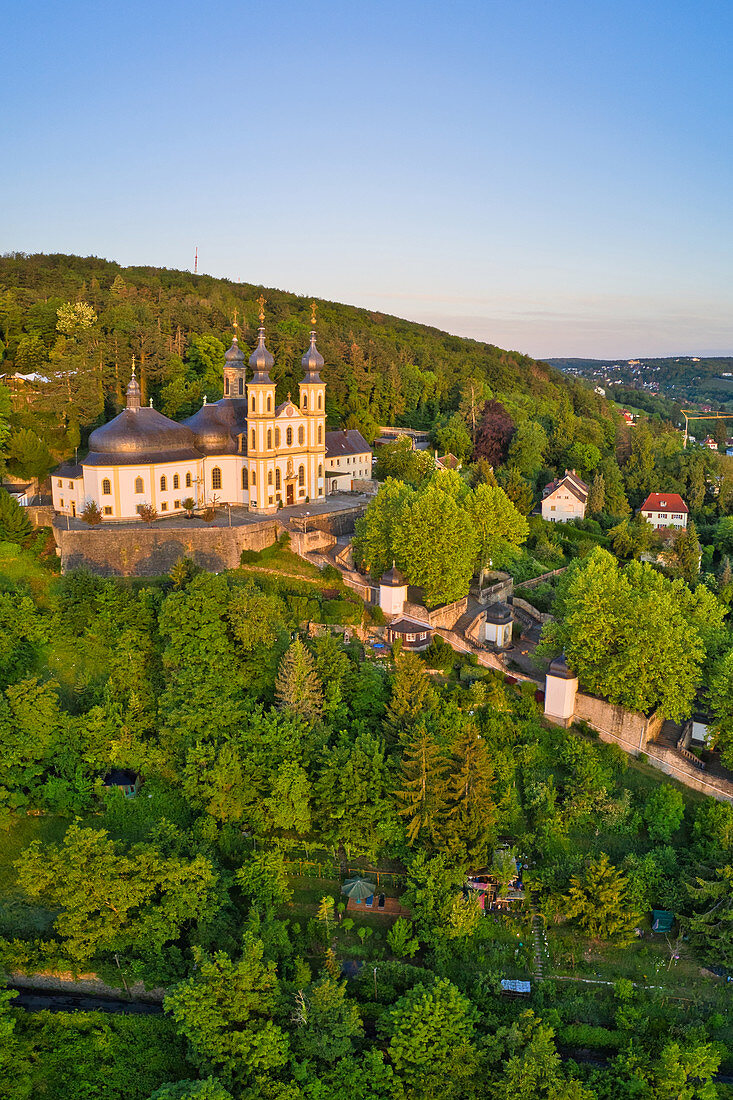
{"x": 92, "y": 513}
{"x": 147, "y": 512}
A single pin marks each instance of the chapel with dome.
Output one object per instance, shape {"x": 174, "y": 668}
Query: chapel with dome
{"x": 243, "y": 449}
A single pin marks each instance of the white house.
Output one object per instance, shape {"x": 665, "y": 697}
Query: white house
{"x": 665, "y": 510}
{"x": 348, "y": 459}
{"x": 565, "y": 498}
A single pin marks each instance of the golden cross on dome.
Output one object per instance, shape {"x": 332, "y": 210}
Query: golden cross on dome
{"x": 236, "y": 317}
{"x": 261, "y": 303}
{"x": 313, "y": 313}
{"x": 133, "y": 366}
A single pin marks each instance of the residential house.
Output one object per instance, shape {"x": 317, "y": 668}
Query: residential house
{"x": 348, "y": 459}
{"x": 665, "y": 510}
{"x": 565, "y": 498}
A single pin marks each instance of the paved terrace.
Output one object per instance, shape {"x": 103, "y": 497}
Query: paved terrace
{"x": 235, "y": 515}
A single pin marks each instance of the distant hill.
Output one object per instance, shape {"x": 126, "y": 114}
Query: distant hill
{"x": 684, "y": 379}
{"x": 379, "y": 369}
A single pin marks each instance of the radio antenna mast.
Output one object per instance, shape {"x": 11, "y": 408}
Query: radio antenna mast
{"x": 196, "y": 261}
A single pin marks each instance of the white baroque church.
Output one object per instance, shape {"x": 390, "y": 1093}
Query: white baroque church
{"x": 243, "y": 449}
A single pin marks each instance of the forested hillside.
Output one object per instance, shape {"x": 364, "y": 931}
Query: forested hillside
{"x": 77, "y": 322}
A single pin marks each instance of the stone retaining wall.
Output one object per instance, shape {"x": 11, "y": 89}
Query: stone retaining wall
{"x": 149, "y": 551}
{"x": 675, "y": 765}
{"x": 626, "y": 728}
{"x": 539, "y": 616}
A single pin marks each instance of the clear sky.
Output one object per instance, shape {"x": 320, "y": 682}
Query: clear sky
{"x": 549, "y": 175}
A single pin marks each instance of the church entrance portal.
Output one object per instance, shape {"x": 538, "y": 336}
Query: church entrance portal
{"x": 290, "y": 494}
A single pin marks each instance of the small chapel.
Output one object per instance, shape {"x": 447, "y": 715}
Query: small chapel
{"x": 243, "y": 449}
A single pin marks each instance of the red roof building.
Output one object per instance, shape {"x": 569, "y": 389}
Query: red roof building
{"x": 665, "y": 510}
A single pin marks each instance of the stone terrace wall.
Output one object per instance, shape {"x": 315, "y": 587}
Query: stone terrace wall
{"x": 674, "y": 764}
{"x": 141, "y": 551}
{"x": 626, "y": 728}
{"x": 336, "y": 523}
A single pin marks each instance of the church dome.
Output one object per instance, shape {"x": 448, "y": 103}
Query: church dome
{"x": 139, "y": 435}
{"x": 261, "y": 360}
{"x": 234, "y": 356}
{"x": 312, "y": 361}
{"x": 217, "y": 426}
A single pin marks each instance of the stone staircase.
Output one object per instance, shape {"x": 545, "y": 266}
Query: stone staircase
{"x": 539, "y": 942}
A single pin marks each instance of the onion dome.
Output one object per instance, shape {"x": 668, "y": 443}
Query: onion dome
{"x": 216, "y": 427}
{"x": 312, "y": 361}
{"x": 234, "y": 356}
{"x": 261, "y": 360}
{"x": 133, "y": 392}
{"x": 499, "y": 614}
{"x": 559, "y": 668}
{"x": 393, "y": 578}
{"x": 140, "y": 435}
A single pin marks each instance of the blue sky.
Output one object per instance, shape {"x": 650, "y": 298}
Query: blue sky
{"x": 551, "y": 176}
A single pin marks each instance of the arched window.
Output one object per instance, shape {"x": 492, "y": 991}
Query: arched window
{"x": 245, "y": 478}
{"x": 226, "y": 387}
{"x": 269, "y": 477}
{"x": 301, "y": 436}
{"x": 254, "y": 478}
{"x": 289, "y": 437}
{"x": 319, "y": 400}
{"x": 320, "y": 434}
{"x": 163, "y": 485}
{"x": 139, "y": 487}
{"x": 254, "y": 444}
{"x": 253, "y": 402}
{"x": 320, "y": 471}
{"x": 269, "y": 403}
{"x": 277, "y": 479}
{"x": 176, "y": 481}
{"x": 106, "y": 487}
{"x": 277, "y": 437}
{"x": 216, "y": 478}
{"x": 241, "y": 386}
{"x": 269, "y": 439}
{"x": 188, "y": 480}
{"x": 305, "y": 399}
{"x": 301, "y": 475}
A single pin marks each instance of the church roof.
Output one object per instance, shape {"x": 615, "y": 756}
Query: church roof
{"x": 216, "y": 426}
{"x": 234, "y": 356}
{"x": 312, "y": 361}
{"x": 261, "y": 360}
{"x": 138, "y": 435}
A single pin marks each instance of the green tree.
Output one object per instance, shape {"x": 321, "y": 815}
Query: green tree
{"x": 422, "y": 794}
{"x": 401, "y": 940}
{"x": 112, "y": 900}
{"x": 711, "y": 925}
{"x": 530, "y": 1064}
{"x": 598, "y": 900}
{"x": 435, "y": 545}
{"x": 14, "y": 523}
{"x": 22, "y": 633}
{"x": 264, "y": 880}
{"x": 499, "y": 527}
{"x": 353, "y": 793}
{"x": 400, "y": 461}
{"x": 257, "y": 619}
{"x": 298, "y": 688}
{"x": 28, "y": 455}
{"x": 208, "y": 1089}
{"x": 472, "y": 811}
{"x": 432, "y": 1047}
{"x": 528, "y": 448}
{"x": 225, "y": 1011}
{"x": 15, "y": 1076}
{"x": 454, "y": 438}
{"x": 640, "y": 472}
{"x": 517, "y": 489}
{"x": 683, "y": 558}
{"x": 413, "y": 695}
{"x": 432, "y": 883}
{"x": 288, "y": 805}
{"x": 685, "y": 1071}
{"x": 328, "y": 1022}
{"x": 596, "y": 495}
{"x": 663, "y": 812}
{"x": 720, "y": 701}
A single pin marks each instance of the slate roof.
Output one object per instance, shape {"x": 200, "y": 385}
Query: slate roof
{"x": 664, "y": 502}
{"x": 67, "y": 469}
{"x": 572, "y": 482}
{"x": 403, "y": 625}
{"x": 350, "y": 441}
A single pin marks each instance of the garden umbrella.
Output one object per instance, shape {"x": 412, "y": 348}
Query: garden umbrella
{"x": 358, "y": 888}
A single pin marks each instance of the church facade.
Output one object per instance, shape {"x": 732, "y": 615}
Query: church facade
{"x": 243, "y": 449}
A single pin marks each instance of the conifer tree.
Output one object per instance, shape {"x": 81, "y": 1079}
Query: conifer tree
{"x": 726, "y": 574}
{"x": 412, "y": 695}
{"x": 422, "y": 798}
{"x": 598, "y": 899}
{"x": 298, "y": 688}
{"x": 471, "y": 806}
{"x": 596, "y": 494}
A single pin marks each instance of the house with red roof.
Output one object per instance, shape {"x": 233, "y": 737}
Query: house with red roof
{"x": 665, "y": 510}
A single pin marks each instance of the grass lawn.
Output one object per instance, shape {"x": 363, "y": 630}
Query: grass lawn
{"x": 19, "y": 917}
{"x": 19, "y": 567}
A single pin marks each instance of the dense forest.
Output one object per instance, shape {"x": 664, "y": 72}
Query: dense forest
{"x": 77, "y": 323}
{"x": 272, "y": 760}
